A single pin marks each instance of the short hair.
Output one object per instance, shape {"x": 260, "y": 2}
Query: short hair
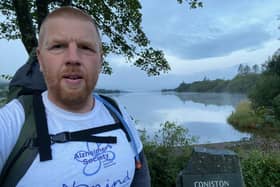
{"x": 69, "y": 12}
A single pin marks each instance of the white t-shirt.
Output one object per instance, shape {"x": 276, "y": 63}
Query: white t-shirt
{"x": 74, "y": 164}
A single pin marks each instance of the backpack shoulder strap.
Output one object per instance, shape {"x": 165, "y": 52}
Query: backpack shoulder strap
{"x": 112, "y": 102}
{"x": 125, "y": 126}
{"x": 116, "y": 106}
{"x": 21, "y": 156}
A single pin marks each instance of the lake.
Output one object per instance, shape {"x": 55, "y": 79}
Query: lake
{"x": 203, "y": 114}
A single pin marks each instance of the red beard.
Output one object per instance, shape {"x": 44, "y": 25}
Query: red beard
{"x": 72, "y": 89}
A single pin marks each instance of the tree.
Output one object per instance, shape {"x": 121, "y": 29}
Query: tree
{"x": 119, "y": 22}
{"x": 272, "y": 65}
{"x": 267, "y": 90}
{"x": 243, "y": 69}
{"x": 205, "y": 78}
{"x": 247, "y": 69}
{"x": 240, "y": 69}
{"x": 256, "y": 68}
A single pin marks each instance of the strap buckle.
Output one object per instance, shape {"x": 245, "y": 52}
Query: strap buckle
{"x": 61, "y": 137}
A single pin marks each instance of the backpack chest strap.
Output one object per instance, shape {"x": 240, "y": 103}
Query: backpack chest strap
{"x": 83, "y": 135}
{"x": 44, "y": 140}
{"x": 87, "y": 135}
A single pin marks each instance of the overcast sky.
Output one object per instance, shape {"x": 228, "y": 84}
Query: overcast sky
{"x": 210, "y": 41}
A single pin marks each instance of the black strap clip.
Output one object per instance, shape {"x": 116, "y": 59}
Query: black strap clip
{"x": 60, "y": 137}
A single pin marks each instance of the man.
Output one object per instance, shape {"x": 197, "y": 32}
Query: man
{"x": 70, "y": 58}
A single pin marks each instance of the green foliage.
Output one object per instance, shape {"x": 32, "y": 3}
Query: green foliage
{"x": 261, "y": 169}
{"x": 167, "y": 153}
{"x": 3, "y": 94}
{"x": 6, "y": 77}
{"x": 272, "y": 65}
{"x": 119, "y": 22}
{"x": 244, "y": 118}
{"x": 276, "y": 105}
{"x": 4, "y": 88}
{"x": 266, "y": 89}
{"x": 256, "y": 68}
{"x": 239, "y": 84}
{"x": 244, "y": 69}
{"x": 260, "y": 120}
{"x": 217, "y": 85}
{"x": 3, "y": 100}
{"x": 193, "y": 3}
{"x": 171, "y": 135}
{"x": 242, "y": 83}
{"x": 266, "y": 93}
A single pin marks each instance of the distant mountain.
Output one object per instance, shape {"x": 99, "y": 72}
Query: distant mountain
{"x": 108, "y": 91}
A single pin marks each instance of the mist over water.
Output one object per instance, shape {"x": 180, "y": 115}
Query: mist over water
{"x": 203, "y": 114}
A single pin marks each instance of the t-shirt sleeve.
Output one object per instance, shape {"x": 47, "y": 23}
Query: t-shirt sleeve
{"x": 11, "y": 120}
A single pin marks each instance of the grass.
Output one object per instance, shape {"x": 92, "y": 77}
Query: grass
{"x": 244, "y": 118}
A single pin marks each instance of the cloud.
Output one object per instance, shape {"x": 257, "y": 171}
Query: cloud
{"x": 217, "y": 29}
{"x": 181, "y": 66}
{"x": 210, "y": 41}
{"x": 223, "y": 44}
{"x": 131, "y": 78}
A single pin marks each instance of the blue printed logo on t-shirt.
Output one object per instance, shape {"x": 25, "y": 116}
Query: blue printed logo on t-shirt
{"x": 96, "y": 156}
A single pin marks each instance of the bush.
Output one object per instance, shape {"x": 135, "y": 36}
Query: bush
{"x": 3, "y": 96}
{"x": 267, "y": 88}
{"x": 276, "y": 106}
{"x": 242, "y": 83}
{"x": 167, "y": 153}
{"x": 244, "y": 117}
{"x": 261, "y": 169}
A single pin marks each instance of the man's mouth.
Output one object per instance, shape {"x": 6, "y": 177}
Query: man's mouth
{"x": 72, "y": 77}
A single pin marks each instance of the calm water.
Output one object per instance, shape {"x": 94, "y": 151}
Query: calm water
{"x": 203, "y": 114}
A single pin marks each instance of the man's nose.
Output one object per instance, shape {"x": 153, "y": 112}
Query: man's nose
{"x": 72, "y": 55}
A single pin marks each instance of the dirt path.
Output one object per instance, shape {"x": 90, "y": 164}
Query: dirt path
{"x": 265, "y": 144}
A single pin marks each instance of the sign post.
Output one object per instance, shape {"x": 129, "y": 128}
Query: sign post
{"x": 211, "y": 168}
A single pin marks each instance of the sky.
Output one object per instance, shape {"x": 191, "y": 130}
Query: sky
{"x": 206, "y": 42}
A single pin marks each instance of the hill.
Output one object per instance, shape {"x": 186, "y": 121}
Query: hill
{"x": 241, "y": 83}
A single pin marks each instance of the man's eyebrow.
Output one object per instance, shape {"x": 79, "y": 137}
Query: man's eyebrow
{"x": 93, "y": 44}
{"x": 55, "y": 40}
{"x": 85, "y": 42}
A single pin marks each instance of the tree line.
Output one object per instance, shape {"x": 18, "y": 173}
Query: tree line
{"x": 260, "y": 83}
{"x": 265, "y": 96}
{"x": 261, "y": 113}
{"x": 244, "y": 69}
{"x": 243, "y": 82}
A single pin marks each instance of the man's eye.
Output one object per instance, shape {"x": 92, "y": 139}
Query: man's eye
{"x": 86, "y": 48}
{"x": 57, "y": 46}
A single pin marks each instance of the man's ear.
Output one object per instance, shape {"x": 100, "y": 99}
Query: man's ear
{"x": 38, "y": 53}
{"x": 101, "y": 65}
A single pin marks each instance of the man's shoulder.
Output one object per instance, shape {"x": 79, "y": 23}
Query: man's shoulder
{"x": 15, "y": 104}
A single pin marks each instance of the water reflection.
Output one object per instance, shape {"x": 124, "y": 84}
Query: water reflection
{"x": 203, "y": 114}
{"x": 209, "y": 98}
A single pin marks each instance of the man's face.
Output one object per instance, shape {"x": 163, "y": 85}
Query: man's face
{"x": 70, "y": 59}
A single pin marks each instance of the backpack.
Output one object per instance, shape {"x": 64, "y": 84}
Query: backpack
{"x": 27, "y": 85}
